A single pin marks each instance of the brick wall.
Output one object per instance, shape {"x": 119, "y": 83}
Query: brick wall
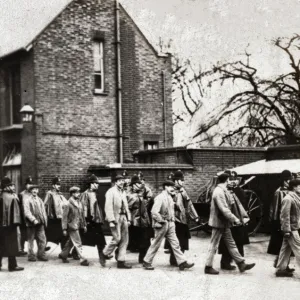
{"x": 142, "y": 86}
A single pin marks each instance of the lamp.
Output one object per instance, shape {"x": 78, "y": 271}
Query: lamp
{"x": 27, "y": 113}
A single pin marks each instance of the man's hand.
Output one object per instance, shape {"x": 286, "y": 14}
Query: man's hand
{"x": 238, "y": 223}
{"x": 65, "y": 232}
{"x": 112, "y": 224}
{"x": 287, "y": 234}
{"x": 197, "y": 220}
{"x": 35, "y": 222}
{"x": 84, "y": 229}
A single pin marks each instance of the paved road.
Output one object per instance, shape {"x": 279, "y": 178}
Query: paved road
{"x": 55, "y": 280}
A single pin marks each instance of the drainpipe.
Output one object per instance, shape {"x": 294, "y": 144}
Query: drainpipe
{"x": 119, "y": 82}
{"x": 163, "y": 76}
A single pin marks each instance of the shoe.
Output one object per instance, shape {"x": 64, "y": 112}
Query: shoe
{"x": 22, "y": 253}
{"x": 227, "y": 266}
{"x": 32, "y": 259}
{"x": 291, "y": 270}
{"x": 147, "y": 266}
{"x": 244, "y": 267}
{"x": 16, "y": 269}
{"x": 42, "y": 259}
{"x": 123, "y": 265}
{"x": 283, "y": 273}
{"x": 47, "y": 248}
{"x": 210, "y": 270}
{"x": 185, "y": 265}
{"x": 85, "y": 263}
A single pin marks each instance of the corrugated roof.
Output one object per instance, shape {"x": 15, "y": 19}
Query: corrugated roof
{"x": 21, "y": 21}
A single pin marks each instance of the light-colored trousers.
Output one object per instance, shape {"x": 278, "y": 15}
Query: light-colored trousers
{"x": 119, "y": 239}
{"x": 289, "y": 244}
{"x": 167, "y": 231}
{"x": 216, "y": 235}
{"x": 73, "y": 240}
{"x": 36, "y": 232}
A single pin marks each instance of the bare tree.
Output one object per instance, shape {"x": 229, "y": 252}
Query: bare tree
{"x": 268, "y": 110}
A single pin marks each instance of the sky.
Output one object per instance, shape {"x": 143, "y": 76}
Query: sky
{"x": 211, "y": 31}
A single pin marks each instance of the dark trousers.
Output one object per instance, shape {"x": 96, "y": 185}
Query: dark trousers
{"x": 12, "y": 262}
{"x": 226, "y": 257}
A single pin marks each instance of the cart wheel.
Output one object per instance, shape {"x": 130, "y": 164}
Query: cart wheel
{"x": 254, "y": 210}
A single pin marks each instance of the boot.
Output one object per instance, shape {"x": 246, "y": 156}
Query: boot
{"x": 123, "y": 265}
{"x": 227, "y": 266}
{"x": 84, "y": 263}
{"x": 185, "y": 265}
{"x": 210, "y": 270}
{"x": 15, "y": 269}
{"x": 291, "y": 270}
{"x": 147, "y": 266}
{"x": 244, "y": 267}
{"x": 283, "y": 273}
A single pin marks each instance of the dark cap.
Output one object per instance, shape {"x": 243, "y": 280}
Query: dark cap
{"x": 119, "y": 177}
{"x": 223, "y": 177}
{"x": 168, "y": 183}
{"x": 178, "y": 175}
{"x": 33, "y": 186}
{"x": 293, "y": 183}
{"x": 286, "y": 174}
{"x": 29, "y": 180}
{"x": 135, "y": 179}
{"x": 74, "y": 189}
{"x": 56, "y": 181}
{"x": 5, "y": 182}
{"x": 93, "y": 179}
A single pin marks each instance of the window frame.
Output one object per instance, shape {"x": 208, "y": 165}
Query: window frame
{"x": 154, "y": 145}
{"x": 100, "y": 72}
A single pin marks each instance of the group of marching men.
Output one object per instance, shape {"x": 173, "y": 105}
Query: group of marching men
{"x": 130, "y": 210}
{"x": 140, "y": 222}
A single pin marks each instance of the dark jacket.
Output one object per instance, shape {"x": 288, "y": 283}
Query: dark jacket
{"x": 138, "y": 206}
{"x": 73, "y": 216}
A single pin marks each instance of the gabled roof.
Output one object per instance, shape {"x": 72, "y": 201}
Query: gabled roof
{"x": 21, "y": 21}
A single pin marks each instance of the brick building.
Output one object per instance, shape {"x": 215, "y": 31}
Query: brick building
{"x": 99, "y": 90}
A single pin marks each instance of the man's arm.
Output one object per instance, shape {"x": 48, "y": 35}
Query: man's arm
{"x": 27, "y": 211}
{"x": 220, "y": 200}
{"x": 64, "y": 221}
{"x": 155, "y": 211}
{"x": 285, "y": 215}
{"x": 109, "y": 209}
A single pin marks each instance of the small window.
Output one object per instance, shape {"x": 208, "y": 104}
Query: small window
{"x": 150, "y": 145}
{"x": 98, "y": 66}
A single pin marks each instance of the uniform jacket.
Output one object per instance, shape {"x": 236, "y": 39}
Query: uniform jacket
{"x": 275, "y": 207}
{"x": 114, "y": 198}
{"x": 184, "y": 208}
{"x": 34, "y": 209}
{"x": 54, "y": 203}
{"x": 163, "y": 209}
{"x": 290, "y": 212}
{"x": 138, "y": 206}
{"x": 220, "y": 209}
{"x": 92, "y": 210}
{"x": 73, "y": 215}
{"x": 10, "y": 212}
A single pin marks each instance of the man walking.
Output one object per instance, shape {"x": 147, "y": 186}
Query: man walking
{"x": 290, "y": 224}
{"x": 93, "y": 214}
{"x": 276, "y": 238}
{"x": 163, "y": 223}
{"x": 118, "y": 217}
{"x": 221, "y": 219}
{"x": 10, "y": 218}
{"x": 54, "y": 204}
{"x": 73, "y": 220}
{"x": 141, "y": 229}
{"x": 36, "y": 221}
{"x": 184, "y": 210}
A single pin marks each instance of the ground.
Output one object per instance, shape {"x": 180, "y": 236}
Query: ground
{"x": 55, "y": 280}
